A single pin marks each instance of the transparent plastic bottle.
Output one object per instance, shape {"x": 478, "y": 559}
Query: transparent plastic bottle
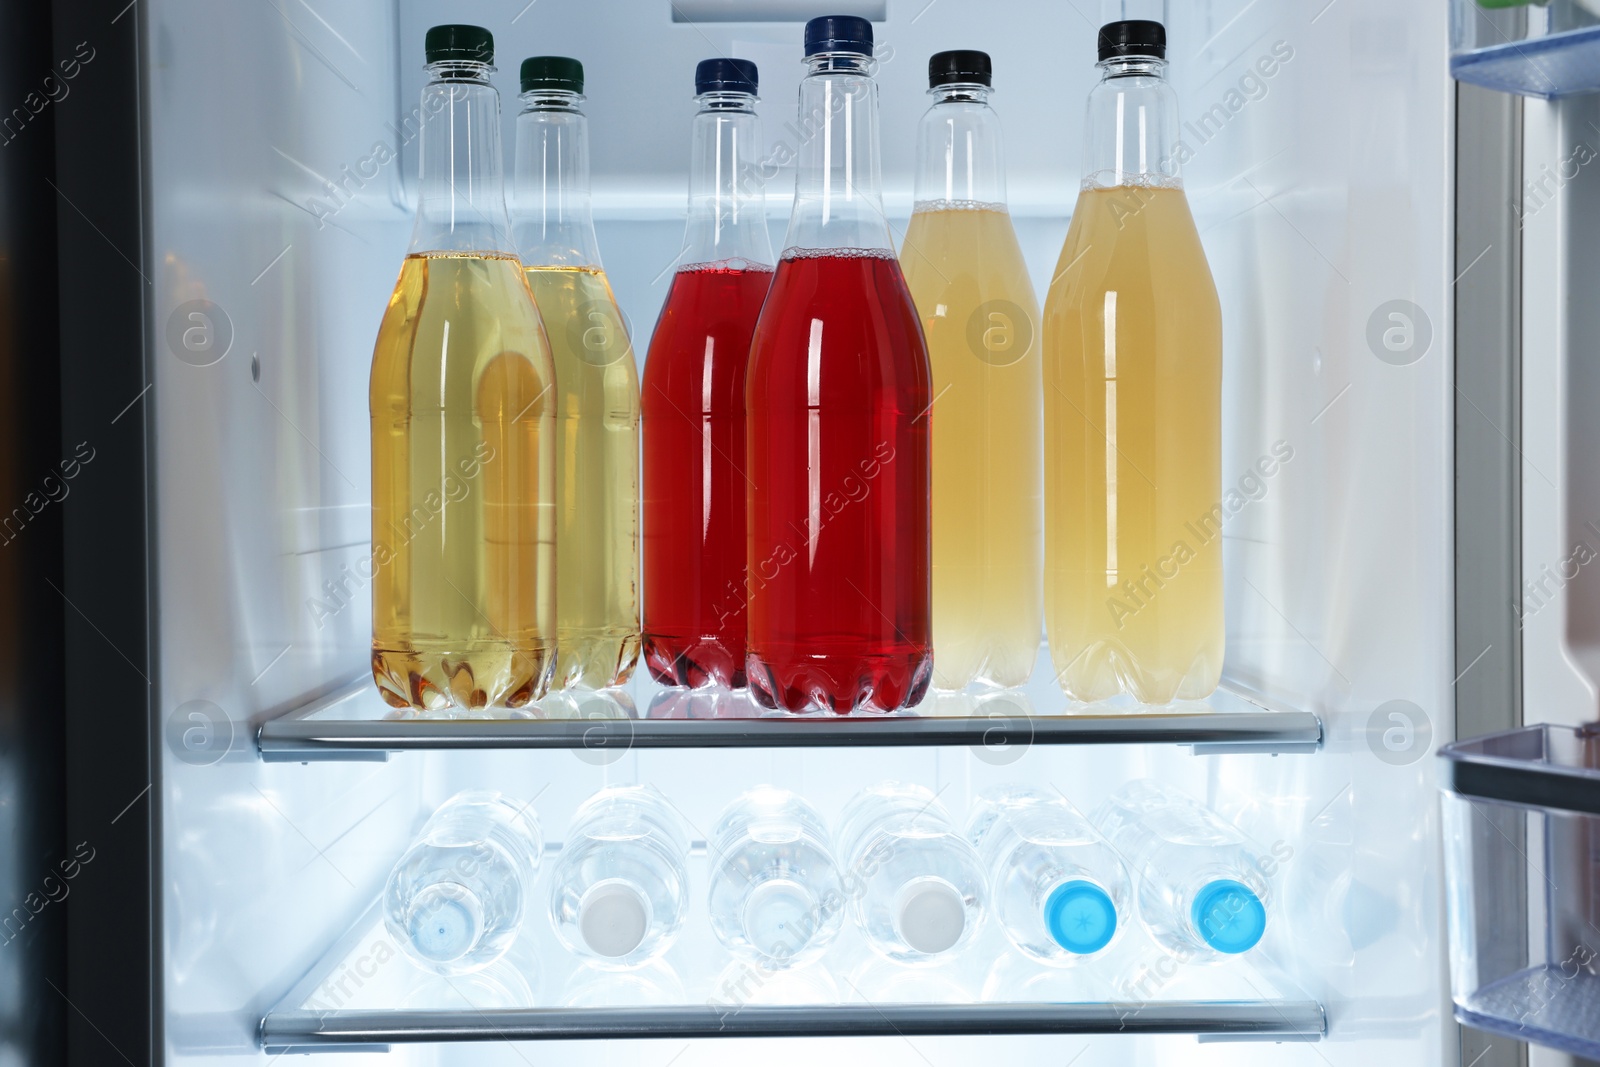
{"x": 456, "y": 899}
{"x": 1060, "y": 891}
{"x": 621, "y": 884}
{"x": 597, "y": 382}
{"x": 1201, "y": 888}
{"x": 775, "y": 896}
{"x": 1133, "y": 405}
{"x": 463, "y": 427}
{"x": 836, "y": 398}
{"x": 914, "y": 885}
{"x": 966, "y": 272}
{"x": 693, "y": 396}
{"x": 512, "y": 981}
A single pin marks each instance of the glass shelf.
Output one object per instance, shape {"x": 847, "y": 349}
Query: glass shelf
{"x": 1282, "y": 1020}
{"x": 353, "y": 723}
{"x": 366, "y": 995}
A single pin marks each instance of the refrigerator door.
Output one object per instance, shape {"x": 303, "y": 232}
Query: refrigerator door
{"x": 257, "y": 225}
{"x": 1557, "y": 602}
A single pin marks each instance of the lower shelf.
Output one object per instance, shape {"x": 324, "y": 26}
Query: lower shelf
{"x": 365, "y": 994}
{"x": 1284, "y": 1020}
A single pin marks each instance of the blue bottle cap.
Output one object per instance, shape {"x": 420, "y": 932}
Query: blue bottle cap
{"x": 725, "y": 76}
{"x": 839, "y": 33}
{"x": 446, "y": 922}
{"x": 1229, "y": 916}
{"x": 1080, "y": 916}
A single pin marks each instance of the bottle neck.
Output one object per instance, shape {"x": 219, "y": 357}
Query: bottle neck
{"x": 1131, "y": 133}
{"x": 461, "y": 206}
{"x": 959, "y": 156}
{"x": 727, "y": 203}
{"x": 838, "y": 186}
{"x": 554, "y": 224}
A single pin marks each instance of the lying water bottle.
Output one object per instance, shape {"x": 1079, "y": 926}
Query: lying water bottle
{"x": 455, "y": 901}
{"x": 1060, "y": 891}
{"x": 915, "y": 886}
{"x": 776, "y": 896}
{"x": 621, "y": 886}
{"x": 1201, "y": 887}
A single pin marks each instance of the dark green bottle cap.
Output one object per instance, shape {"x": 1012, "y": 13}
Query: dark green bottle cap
{"x": 552, "y": 72}
{"x": 472, "y": 44}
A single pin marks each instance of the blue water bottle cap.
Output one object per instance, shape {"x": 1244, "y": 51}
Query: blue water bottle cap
{"x": 446, "y": 922}
{"x": 1081, "y": 917}
{"x": 839, "y": 33}
{"x": 1229, "y": 916}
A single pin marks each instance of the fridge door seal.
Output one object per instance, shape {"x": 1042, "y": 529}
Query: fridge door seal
{"x": 110, "y": 705}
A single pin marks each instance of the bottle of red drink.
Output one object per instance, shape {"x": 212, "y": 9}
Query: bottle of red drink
{"x": 837, "y": 422}
{"x": 693, "y": 397}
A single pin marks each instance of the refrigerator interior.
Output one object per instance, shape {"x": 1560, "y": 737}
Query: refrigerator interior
{"x": 278, "y": 179}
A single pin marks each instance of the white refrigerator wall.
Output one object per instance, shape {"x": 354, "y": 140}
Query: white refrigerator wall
{"x": 1320, "y": 178}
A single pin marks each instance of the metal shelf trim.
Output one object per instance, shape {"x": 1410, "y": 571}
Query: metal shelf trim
{"x": 1283, "y": 1019}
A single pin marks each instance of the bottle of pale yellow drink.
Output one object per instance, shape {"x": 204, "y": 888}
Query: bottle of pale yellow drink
{"x": 966, "y": 274}
{"x": 597, "y": 382}
{"x": 1133, "y": 382}
{"x": 463, "y": 427}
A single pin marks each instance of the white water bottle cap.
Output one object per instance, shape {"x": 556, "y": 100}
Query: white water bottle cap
{"x": 932, "y": 915}
{"x": 613, "y": 917}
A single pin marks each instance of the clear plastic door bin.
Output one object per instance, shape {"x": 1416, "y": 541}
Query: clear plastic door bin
{"x": 1522, "y": 858}
{"x": 1536, "y": 49}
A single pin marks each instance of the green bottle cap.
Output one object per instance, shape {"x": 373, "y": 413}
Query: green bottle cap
{"x": 552, "y": 72}
{"x": 472, "y": 44}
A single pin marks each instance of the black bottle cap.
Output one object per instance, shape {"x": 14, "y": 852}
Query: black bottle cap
{"x": 1133, "y": 37}
{"x": 472, "y": 44}
{"x": 964, "y": 66}
{"x": 725, "y": 76}
{"x": 839, "y": 33}
{"x": 552, "y": 72}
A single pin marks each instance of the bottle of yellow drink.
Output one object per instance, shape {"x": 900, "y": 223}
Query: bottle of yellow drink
{"x": 966, "y": 274}
{"x": 463, "y": 427}
{"x": 1133, "y": 396}
{"x": 597, "y": 382}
